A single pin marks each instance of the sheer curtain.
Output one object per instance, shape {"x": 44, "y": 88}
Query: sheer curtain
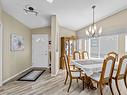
{"x": 108, "y": 44}
{"x": 99, "y": 47}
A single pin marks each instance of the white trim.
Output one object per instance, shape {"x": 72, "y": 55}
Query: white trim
{"x": 1, "y": 52}
{"x": 125, "y": 43}
{"x": 53, "y": 75}
{"x": 15, "y": 75}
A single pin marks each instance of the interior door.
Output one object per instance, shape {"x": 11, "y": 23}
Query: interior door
{"x": 40, "y": 50}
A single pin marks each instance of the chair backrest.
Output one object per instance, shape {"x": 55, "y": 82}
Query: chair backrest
{"x": 76, "y": 55}
{"x": 67, "y": 64}
{"x": 122, "y": 67}
{"x": 85, "y": 55}
{"x": 115, "y": 55}
{"x": 107, "y": 68}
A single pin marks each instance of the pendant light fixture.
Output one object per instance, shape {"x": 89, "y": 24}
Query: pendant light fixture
{"x": 93, "y": 31}
{"x": 50, "y": 1}
{"x": 30, "y": 10}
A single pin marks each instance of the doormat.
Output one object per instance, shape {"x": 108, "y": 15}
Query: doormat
{"x": 33, "y": 75}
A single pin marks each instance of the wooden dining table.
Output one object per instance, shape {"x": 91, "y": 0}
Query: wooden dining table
{"x": 89, "y": 66}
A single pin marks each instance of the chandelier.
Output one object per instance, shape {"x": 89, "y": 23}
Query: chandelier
{"x": 92, "y": 31}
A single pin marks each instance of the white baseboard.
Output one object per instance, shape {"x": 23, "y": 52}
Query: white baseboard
{"x": 53, "y": 75}
{"x": 15, "y": 75}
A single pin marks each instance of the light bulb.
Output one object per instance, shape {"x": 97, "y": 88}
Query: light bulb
{"x": 90, "y": 28}
{"x": 87, "y": 33}
{"x": 93, "y": 31}
{"x": 50, "y": 1}
{"x": 100, "y": 31}
{"x": 95, "y": 28}
{"x": 26, "y": 12}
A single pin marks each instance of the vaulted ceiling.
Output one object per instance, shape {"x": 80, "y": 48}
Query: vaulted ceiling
{"x": 72, "y": 14}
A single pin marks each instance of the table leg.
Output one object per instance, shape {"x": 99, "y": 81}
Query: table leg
{"x": 89, "y": 83}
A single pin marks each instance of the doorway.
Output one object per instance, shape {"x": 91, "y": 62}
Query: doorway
{"x": 40, "y": 50}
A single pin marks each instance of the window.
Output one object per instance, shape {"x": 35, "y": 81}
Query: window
{"x": 99, "y": 47}
{"x": 94, "y": 47}
{"x": 108, "y": 44}
{"x": 80, "y": 44}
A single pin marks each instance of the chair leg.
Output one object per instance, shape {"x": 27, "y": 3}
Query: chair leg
{"x": 97, "y": 85}
{"x": 101, "y": 89}
{"x": 66, "y": 78}
{"x": 110, "y": 85}
{"x": 116, "y": 81}
{"x": 73, "y": 67}
{"x": 125, "y": 81}
{"x": 69, "y": 85}
{"x": 83, "y": 82}
{"x": 77, "y": 80}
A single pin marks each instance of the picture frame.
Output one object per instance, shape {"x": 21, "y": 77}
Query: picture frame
{"x": 17, "y": 42}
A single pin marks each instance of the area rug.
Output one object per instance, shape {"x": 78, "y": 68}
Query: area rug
{"x": 33, "y": 75}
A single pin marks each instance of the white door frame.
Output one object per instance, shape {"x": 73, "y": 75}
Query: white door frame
{"x": 1, "y": 53}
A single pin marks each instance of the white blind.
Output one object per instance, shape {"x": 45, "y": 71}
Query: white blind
{"x": 99, "y": 47}
{"x": 108, "y": 44}
{"x": 94, "y": 47}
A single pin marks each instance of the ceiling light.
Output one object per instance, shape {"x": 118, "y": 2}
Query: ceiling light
{"x": 28, "y": 10}
{"x": 50, "y": 1}
{"x": 93, "y": 31}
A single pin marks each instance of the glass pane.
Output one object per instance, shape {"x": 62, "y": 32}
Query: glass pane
{"x": 94, "y": 47}
{"x": 108, "y": 44}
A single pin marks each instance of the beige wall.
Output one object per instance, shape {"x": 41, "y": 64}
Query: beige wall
{"x": 64, "y": 32}
{"x": 42, "y": 30}
{"x": 115, "y": 24}
{"x": 15, "y": 62}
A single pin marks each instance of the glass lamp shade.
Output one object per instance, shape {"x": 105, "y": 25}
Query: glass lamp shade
{"x": 93, "y": 31}
{"x": 87, "y": 33}
{"x": 90, "y": 28}
{"x": 100, "y": 30}
{"x": 95, "y": 27}
{"x": 50, "y": 1}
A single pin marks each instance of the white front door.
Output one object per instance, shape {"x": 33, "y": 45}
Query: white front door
{"x": 40, "y": 50}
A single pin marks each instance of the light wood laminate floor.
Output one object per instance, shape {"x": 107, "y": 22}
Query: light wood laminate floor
{"x": 47, "y": 85}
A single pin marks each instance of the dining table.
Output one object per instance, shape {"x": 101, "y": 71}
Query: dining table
{"x": 89, "y": 66}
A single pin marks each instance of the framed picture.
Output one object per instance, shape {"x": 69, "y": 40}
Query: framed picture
{"x": 17, "y": 43}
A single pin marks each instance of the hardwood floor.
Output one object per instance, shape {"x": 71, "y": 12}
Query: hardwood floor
{"x": 47, "y": 85}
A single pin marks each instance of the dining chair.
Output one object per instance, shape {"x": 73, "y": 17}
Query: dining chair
{"x": 73, "y": 74}
{"x": 76, "y": 55}
{"x": 105, "y": 77}
{"x": 121, "y": 72}
{"x": 113, "y": 54}
{"x": 85, "y": 55}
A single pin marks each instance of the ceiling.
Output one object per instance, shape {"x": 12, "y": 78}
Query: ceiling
{"x": 72, "y": 14}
